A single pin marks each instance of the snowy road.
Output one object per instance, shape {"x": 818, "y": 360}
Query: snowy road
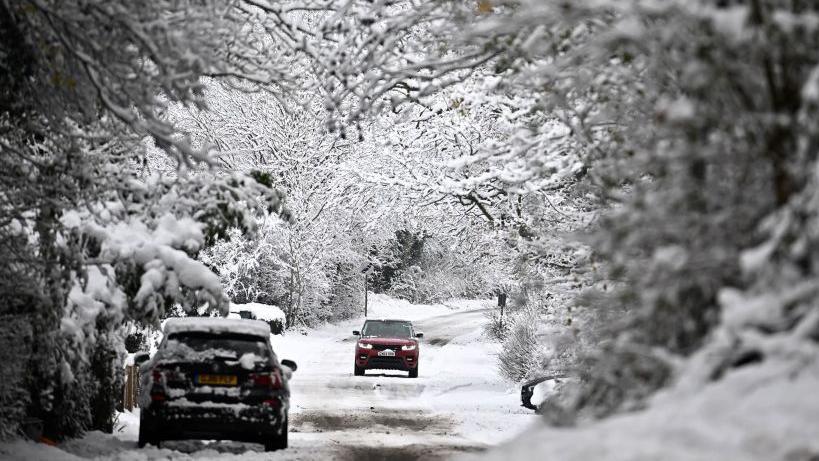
{"x": 457, "y": 405}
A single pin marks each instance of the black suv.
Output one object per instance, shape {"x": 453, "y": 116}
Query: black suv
{"x": 215, "y": 379}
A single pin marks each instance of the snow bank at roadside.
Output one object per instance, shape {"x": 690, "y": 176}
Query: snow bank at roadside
{"x": 30, "y": 451}
{"x": 93, "y": 445}
{"x": 758, "y": 412}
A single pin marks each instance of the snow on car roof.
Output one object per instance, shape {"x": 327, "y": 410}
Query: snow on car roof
{"x": 217, "y": 325}
{"x": 389, "y": 320}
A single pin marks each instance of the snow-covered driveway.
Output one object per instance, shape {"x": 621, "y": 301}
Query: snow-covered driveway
{"x": 458, "y": 404}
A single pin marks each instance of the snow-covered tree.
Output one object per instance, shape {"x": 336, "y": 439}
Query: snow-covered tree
{"x": 675, "y": 138}
{"x": 730, "y": 152}
{"x": 89, "y": 244}
{"x": 691, "y": 120}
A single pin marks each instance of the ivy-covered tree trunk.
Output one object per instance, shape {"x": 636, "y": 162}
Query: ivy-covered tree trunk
{"x": 107, "y": 372}
{"x": 46, "y": 372}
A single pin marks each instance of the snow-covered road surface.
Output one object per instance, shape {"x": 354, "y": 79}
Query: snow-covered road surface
{"x": 457, "y": 405}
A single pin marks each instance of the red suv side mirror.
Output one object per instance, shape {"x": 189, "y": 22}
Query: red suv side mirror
{"x": 356, "y": 332}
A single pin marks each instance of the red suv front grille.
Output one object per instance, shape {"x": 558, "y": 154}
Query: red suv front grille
{"x": 385, "y": 362}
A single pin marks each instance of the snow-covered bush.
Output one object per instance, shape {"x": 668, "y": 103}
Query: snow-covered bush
{"x": 268, "y": 313}
{"x": 522, "y": 352}
{"x": 497, "y": 326}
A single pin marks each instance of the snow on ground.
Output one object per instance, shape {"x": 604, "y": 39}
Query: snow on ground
{"x": 457, "y": 405}
{"x": 758, "y": 412}
{"x": 458, "y": 402}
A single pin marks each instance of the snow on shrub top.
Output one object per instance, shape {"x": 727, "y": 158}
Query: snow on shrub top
{"x": 266, "y": 312}
{"x": 217, "y": 325}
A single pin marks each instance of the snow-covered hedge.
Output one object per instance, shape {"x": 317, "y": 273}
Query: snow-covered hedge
{"x": 268, "y": 313}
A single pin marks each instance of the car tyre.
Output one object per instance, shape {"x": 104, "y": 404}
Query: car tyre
{"x": 414, "y": 372}
{"x": 278, "y": 442}
{"x": 358, "y": 371}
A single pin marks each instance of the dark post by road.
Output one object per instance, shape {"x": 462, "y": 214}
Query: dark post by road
{"x": 501, "y": 304}
{"x": 365, "y": 294}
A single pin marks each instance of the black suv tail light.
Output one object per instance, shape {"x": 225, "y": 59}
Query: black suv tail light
{"x": 270, "y": 380}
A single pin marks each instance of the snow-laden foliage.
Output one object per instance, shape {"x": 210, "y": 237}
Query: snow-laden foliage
{"x": 519, "y": 217}
{"x": 308, "y": 266}
{"x": 675, "y": 140}
{"x": 88, "y": 243}
{"x": 692, "y": 119}
{"x": 352, "y": 218}
{"x": 703, "y": 183}
{"x": 689, "y": 122}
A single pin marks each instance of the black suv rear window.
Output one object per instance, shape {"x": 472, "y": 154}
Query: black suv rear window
{"x": 214, "y": 346}
{"x": 387, "y": 329}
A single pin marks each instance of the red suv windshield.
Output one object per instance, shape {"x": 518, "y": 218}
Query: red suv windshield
{"x": 387, "y": 329}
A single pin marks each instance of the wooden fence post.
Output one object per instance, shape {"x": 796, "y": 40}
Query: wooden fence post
{"x": 129, "y": 400}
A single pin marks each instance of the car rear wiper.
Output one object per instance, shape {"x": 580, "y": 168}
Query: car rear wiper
{"x": 226, "y": 357}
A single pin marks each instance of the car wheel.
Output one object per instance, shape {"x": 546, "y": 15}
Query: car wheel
{"x": 358, "y": 371}
{"x": 414, "y": 372}
{"x": 283, "y": 436}
{"x": 278, "y": 442}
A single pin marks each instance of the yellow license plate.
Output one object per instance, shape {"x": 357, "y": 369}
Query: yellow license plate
{"x": 217, "y": 380}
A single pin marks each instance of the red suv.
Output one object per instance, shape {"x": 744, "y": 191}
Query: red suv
{"x": 387, "y": 345}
